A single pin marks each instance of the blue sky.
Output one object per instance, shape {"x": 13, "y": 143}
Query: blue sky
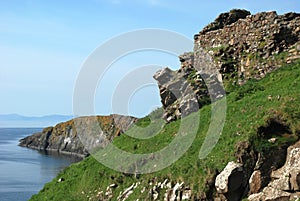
{"x": 44, "y": 43}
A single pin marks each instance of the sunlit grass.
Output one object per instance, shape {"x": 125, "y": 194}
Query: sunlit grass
{"x": 248, "y": 108}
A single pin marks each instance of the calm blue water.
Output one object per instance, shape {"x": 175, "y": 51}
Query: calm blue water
{"x": 23, "y": 172}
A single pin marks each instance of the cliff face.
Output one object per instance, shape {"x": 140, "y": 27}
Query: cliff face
{"x": 73, "y": 137}
{"x": 285, "y": 181}
{"x": 274, "y": 178}
{"x": 182, "y": 92}
{"x": 242, "y": 47}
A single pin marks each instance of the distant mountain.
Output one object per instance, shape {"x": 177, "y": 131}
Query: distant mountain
{"x": 16, "y": 120}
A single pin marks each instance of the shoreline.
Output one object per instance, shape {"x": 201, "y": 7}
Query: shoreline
{"x": 56, "y": 152}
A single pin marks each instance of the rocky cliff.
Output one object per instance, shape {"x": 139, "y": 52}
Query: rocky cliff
{"x": 242, "y": 47}
{"x": 249, "y": 46}
{"x": 257, "y": 156}
{"x": 285, "y": 181}
{"x": 276, "y": 178}
{"x": 71, "y": 137}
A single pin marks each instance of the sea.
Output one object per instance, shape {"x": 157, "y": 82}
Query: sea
{"x": 23, "y": 172}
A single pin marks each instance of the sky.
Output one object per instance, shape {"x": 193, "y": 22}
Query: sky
{"x": 44, "y": 44}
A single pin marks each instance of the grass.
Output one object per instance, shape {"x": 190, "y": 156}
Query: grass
{"x": 248, "y": 109}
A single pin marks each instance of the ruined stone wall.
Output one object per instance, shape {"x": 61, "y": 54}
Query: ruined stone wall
{"x": 251, "y": 46}
{"x": 234, "y": 48}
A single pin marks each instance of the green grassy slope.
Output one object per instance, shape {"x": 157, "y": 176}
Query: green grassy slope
{"x": 248, "y": 107}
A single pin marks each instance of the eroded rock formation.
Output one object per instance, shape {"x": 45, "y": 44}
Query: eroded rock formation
{"x": 230, "y": 181}
{"x": 234, "y": 48}
{"x": 80, "y": 135}
{"x": 285, "y": 181}
{"x": 251, "y": 46}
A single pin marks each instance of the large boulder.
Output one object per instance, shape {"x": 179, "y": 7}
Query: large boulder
{"x": 230, "y": 181}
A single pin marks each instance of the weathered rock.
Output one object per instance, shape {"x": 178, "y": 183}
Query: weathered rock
{"x": 186, "y": 194}
{"x": 285, "y": 180}
{"x": 295, "y": 196}
{"x": 223, "y": 182}
{"x": 127, "y": 192}
{"x": 270, "y": 194}
{"x": 230, "y": 181}
{"x": 255, "y": 182}
{"x": 77, "y": 137}
{"x": 186, "y": 90}
{"x": 272, "y": 140}
{"x": 256, "y": 197}
{"x": 247, "y": 47}
{"x": 180, "y": 97}
{"x": 234, "y": 48}
{"x": 174, "y": 190}
{"x": 246, "y": 155}
{"x": 295, "y": 180}
{"x": 226, "y": 19}
{"x": 187, "y": 60}
{"x": 287, "y": 177}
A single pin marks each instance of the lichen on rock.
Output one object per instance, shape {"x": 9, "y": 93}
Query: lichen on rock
{"x": 77, "y": 137}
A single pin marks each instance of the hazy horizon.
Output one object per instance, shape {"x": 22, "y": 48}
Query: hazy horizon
{"x": 20, "y": 121}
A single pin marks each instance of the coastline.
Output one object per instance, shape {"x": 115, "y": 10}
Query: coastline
{"x": 51, "y": 151}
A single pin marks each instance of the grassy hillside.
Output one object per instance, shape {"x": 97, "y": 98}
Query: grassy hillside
{"x": 249, "y": 108}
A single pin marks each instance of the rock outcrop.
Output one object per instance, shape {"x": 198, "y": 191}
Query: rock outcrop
{"x": 225, "y": 19}
{"x": 285, "y": 183}
{"x": 182, "y": 92}
{"x": 233, "y": 183}
{"x": 158, "y": 190}
{"x": 186, "y": 90}
{"x": 234, "y": 48}
{"x": 230, "y": 181}
{"x": 76, "y": 137}
{"x": 249, "y": 46}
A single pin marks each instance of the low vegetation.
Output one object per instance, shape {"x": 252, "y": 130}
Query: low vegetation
{"x": 250, "y": 108}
